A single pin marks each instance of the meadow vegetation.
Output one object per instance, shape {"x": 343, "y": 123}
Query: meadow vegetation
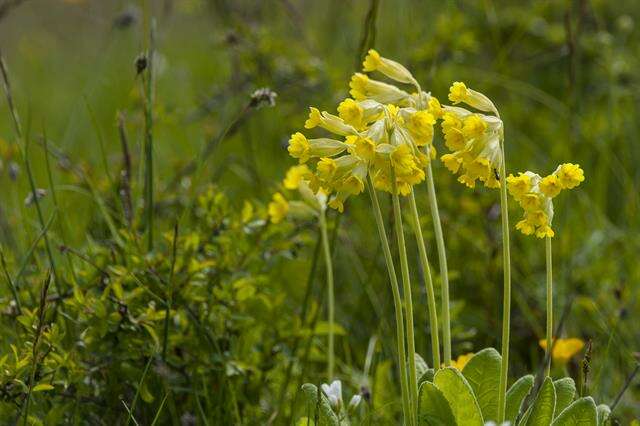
{"x": 183, "y": 240}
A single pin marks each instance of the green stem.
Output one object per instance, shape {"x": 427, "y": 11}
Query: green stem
{"x": 428, "y": 283}
{"x": 549, "y": 304}
{"x": 397, "y": 302}
{"x": 442, "y": 260}
{"x": 506, "y": 300}
{"x": 406, "y": 289}
{"x": 330, "y": 294}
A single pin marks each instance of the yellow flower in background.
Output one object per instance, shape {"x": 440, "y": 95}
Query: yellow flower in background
{"x": 461, "y": 361}
{"x": 295, "y": 175}
{"x": 564, "y": 349}
{"x": 458, "y": 92}
{"x": 278, "y": 208}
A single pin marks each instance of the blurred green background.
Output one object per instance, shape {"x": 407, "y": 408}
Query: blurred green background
{"x": 563, "y": 73}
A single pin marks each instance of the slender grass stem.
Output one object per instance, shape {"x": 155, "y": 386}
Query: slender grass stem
{"x": 506, "y": 298}
{"x": 397, "y": 303}
{"x": 428, "y": 283}
{"x": 444, "y": 271}
{"x": 406, "y": 288}
{"x": 330, "y": 293}
{"x": 549, "y": 304}
{"x": 148, "y": 84}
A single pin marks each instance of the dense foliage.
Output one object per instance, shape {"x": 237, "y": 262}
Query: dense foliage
{"x": 219, "y": 318}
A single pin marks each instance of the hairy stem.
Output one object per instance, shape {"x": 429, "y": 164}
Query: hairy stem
{"x": 549, "y": 304}
{"x": 330, "y": 293}
{"x": 428, "y": 283}
{"x": 397, "y": 303}
{"x": 442, "y": 260}
{"x": 506, "y": 298}
{"x": 406, "y": 289}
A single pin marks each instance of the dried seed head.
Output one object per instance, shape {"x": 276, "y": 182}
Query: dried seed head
{"x": 263, "y": 97}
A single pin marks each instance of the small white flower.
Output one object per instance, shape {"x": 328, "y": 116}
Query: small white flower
{"x": 355, "y": 401}
{"x": 333, "y": 392}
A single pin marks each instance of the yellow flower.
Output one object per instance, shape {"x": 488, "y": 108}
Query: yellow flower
{"x": 372, "y": 61}
{"x": 451, "y": 162}
{"x": 326, "y": 168}
{"x": 458, "y": 92}
{"x": 314, "y": 118}
{"x": 569, "y": 175}
{"x": 519, "y": 185}
{"x": 473, "y": 126}
{"x": 351, "y": 112}
{"x": 295, "y": 175}
{"x": 545, "y": 231}
{"x": 420, "y": 124}
{"x": 564, "y": 349}
{"x": 299, "y": 147}
{"x": 435, "y": 108}
{"x": 550, "y": 186}
{"x": 278, "y": 208}
{"x": 461, "y": 361}
{"x": 358, "y": 85}
{"x": 525, "y": 227}
{"x": 364, "y": 148}
{"x": 452, "y": 129}
{"x": 403, "y": 160}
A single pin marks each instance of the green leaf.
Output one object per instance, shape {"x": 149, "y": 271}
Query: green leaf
{"x": 426, "y": 377}
{"x": 516, "y": 395}
{"x": 42, "y": 387}
{"x": 604, "y": 412}
{"x": 583, "y": 412}
{"x": 565, "y": 391}
{"x": 433, "y": 407}
{"x": 544, "y": 405}
{"x": 326, "y": 416}
{"x": 421, "y": 366}
{"x": 483, "y": 374}
{"x": 459, "y": 394}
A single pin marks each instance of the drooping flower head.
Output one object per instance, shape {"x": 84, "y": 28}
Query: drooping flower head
{"x": 382, "y": 133}
{"x": 473, "y": 139}
{"x": 535, "y": 193}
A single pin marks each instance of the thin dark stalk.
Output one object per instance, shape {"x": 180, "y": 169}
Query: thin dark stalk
{"x": 626, "y": 385}
{"x": 9, "y": 96}
{"x": 148, "y": 84}
{"x": 170, "y": 292}
{"x": 125, "y": 173}
{"x": 36, "y": 342}
{"x": 368, "y": 39}
{"x": 12, "y": 287}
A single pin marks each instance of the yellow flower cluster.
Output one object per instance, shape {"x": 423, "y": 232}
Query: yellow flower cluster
{"x": 382, "y": 133}
{"x": 297, "y": 178}
{"x": 535, "y": 193}
{"x": 474, "y": 139}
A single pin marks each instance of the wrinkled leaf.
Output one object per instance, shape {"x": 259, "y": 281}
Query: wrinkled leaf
{"x": 483, "y": 374}
{"x": 581, "y": 413}
{"x": 542, "y": 410}
{"x": 326, "y": 416}
{"x": 426, "y": 377}
{"x": 516, "y": 395}
{"x": 459, "y": 394}
{"x": 565, "y": 391}
{"x": 604, "y": 412}
{"x": 421, "y": 366}
{"x": 433, "y": 407}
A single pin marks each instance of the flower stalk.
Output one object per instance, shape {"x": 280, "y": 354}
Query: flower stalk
{"x": 406, "y": 288}
{"x": 397, "y": 302}
{"x": 442, "y": 261}
{"x": 549, "y": 304}
{"x": 426, "y": 268}
{"x": 330, "y": 292}
{"x": 506, "y": 298}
